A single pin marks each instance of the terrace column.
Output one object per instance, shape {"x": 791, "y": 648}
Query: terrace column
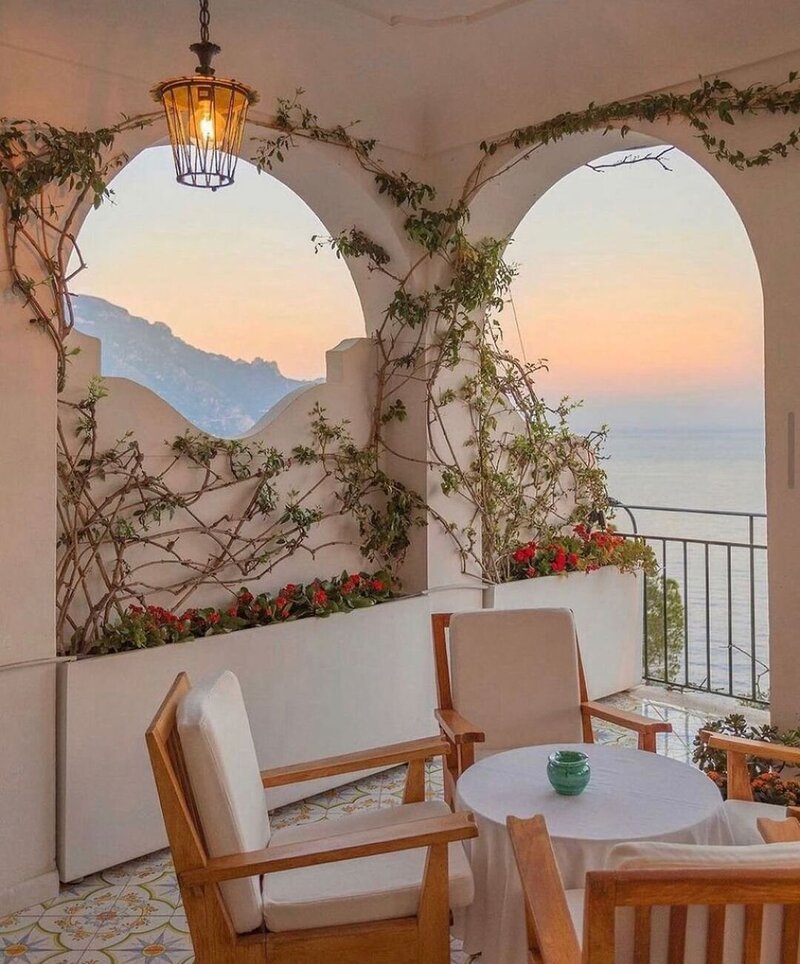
{"x": 769, "y": 202}
{"x": 27, "y": 606}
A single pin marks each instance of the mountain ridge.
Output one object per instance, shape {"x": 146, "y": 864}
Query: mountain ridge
{"x": 220, "y": 395}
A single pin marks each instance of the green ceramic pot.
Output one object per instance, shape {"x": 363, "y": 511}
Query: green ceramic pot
{"x": 568, "y": 771}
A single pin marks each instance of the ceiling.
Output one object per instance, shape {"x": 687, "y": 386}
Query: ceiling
{"x": 421, "y": 75}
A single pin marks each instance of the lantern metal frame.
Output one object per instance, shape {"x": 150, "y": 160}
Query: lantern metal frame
{"x": 206, "y": 116}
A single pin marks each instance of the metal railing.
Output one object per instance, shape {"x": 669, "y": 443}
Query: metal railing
{"x": 705, "y": 622}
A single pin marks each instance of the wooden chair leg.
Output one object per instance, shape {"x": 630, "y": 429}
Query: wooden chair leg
{"x": 647, "y": 741}
{"x": 414, "y": 791}
{"x": 450, "y": 773}
{"x": 450, "y": 777}
{"x": 434, "y": 909}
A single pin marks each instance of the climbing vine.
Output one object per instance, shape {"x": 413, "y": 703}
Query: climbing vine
{"x": 129, "y": 532}
{"x": 516, "y": 471}
{"x": 520, "y": 469}
{"x": 48, "y": 175}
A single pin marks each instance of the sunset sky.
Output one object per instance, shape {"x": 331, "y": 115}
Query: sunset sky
{"x": 639, "y": 286}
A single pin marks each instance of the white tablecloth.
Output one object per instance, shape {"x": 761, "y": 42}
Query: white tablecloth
{"x": 632, "y": 795}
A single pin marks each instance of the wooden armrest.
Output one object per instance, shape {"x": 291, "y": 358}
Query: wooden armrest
{"x": 345, "y": 846}
{"x": 779, "y": 831}
{"x": 457, "y": 728}
{"x": 738, "y": 744}
{"x": 384, "y": 756}
{"x": 631, "y": 721}
{"x": 551, "y": 933}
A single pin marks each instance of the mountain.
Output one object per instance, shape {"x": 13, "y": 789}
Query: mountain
{"x": 220, "y": 395}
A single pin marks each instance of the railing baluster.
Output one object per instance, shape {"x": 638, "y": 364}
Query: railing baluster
{"x": 708, "y": 627}
{"x": 730, "y": 624}
{"x": 685, "y": 614}
{"x": 664, "y": 610}
{"x": 753, "y": 679}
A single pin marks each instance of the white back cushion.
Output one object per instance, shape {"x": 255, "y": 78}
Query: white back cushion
{"x": 665, "y": 856}
{"x": 515, "y": 675}
{"x": 225, "y": 778}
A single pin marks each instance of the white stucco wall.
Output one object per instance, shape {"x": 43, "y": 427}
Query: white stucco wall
{"x": 27, "y": 612}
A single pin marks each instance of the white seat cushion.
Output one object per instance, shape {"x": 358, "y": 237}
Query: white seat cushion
{"x": 514, "y": 674}
{"x": 383, "y": 887}
{"x": 742, "y": 816}
{"x": 223, "y": 771}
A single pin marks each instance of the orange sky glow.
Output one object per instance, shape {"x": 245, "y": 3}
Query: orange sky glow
{"x": 633, "y": 281}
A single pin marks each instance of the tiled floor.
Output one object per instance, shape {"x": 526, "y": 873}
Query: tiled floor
{"x": 133, "y": 912}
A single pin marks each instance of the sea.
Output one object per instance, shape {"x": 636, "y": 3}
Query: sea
{"x": 716, "y": 554}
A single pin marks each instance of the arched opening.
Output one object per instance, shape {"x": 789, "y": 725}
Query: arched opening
{"x": 215, "y": 301}
{"x": 640, "y": 287}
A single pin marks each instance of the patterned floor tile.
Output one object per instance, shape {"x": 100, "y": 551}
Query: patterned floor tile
{"x": 30, "y": 943}
{"x": 160, "y": 942}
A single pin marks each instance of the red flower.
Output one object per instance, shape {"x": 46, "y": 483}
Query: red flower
{"x": 280, "y": 602}
{"x": 233, "y": 611}
{"x": 581, "y": 531}
{"x": 285, "y": 613}
{"x": 289, "y": 589}
{"x": 531, "y": 573}
{"x": 213, "y": 617}
{"x": 355, "y": 578}
{"x": 559, "y": 563}
{"x": 524, "y": 553}
{"x": 320, "y": 597}
{"x": 572, "y": 559}
{"x": 377, "y": 585}
{"x": 245, "y": 596}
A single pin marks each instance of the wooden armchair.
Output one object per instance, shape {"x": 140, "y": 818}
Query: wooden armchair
{"x": 377, "y": 886}
{"x": 679, "y": 903}
{"x": 515, "y": 678}
{"x": 743, "y": 812}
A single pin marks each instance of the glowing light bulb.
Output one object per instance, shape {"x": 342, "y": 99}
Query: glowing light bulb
{"x": 206, "y": 127}
{"x": 204, "y": 118}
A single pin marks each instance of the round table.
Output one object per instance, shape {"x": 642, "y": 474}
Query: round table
{"x": 632, "y": 795}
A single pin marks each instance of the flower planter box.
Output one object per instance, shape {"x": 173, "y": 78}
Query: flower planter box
{"x": 313, "y": 688}
{"x": 607, "y": 605}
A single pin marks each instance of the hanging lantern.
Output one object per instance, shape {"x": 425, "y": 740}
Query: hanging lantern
{"x": 205, "y": 117}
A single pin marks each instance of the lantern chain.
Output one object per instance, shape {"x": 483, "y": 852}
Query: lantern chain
{"x": 205, "y": 20}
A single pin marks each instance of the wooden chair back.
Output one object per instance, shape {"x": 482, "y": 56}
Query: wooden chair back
{"x": 209, "y": 922}
{"x": 720, "y": 891}
{"x": 440, "y": 623}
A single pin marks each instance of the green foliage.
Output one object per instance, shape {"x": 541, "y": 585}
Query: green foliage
{"x": 146, "y": 627}
{"x": 47, "y": 173}
{"x": 716, "y": 99}
{"x": 121, "y": 520}
{"x": 765, "y": 775}
{"x": 581, "y": 550}
{"x": 665, "y": 632}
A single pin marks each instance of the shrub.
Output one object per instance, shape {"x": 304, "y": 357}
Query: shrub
{"x": 766, "y": 778}
{"x": 143, "y": 627}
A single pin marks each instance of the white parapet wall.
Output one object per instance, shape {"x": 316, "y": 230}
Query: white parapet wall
{"x": 607, "y": 605}
{"x": 313, "y": 688}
